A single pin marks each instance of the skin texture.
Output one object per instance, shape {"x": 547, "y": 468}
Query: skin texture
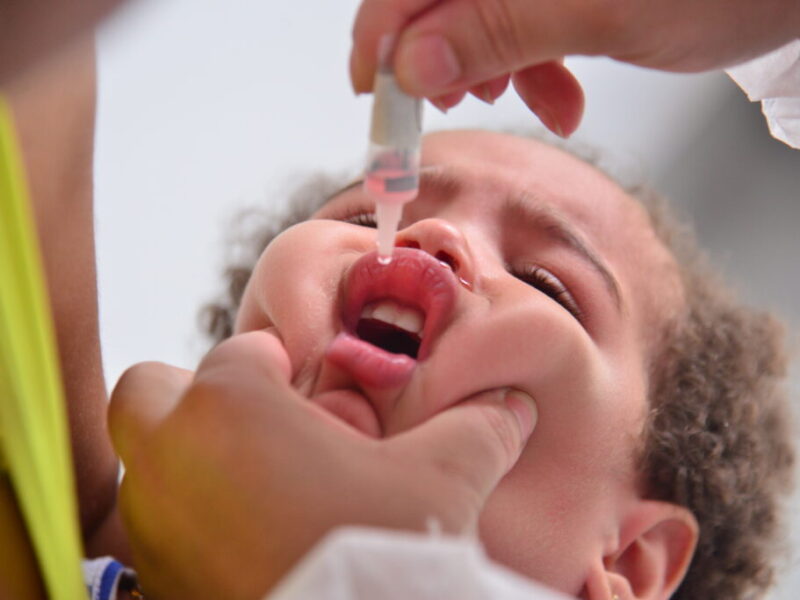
{"x": 445, "y": 49}
{"x": 58, "y": 152}
{"x": 54, "y": 109}
{"x": 564, "y": 511}
{"x": 30, "y": 30}
{"x": 53, "y": 106}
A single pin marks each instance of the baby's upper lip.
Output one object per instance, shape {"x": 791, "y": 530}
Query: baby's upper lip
{"x": 413, "y": 278}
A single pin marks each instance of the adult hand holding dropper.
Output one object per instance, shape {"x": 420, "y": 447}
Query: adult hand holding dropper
{"x": 445, "y": 49}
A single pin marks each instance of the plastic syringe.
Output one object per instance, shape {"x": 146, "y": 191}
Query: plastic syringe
{"x": 392, "y": 173}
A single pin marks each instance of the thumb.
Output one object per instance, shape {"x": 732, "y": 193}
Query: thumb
{"x": 456, "y": 45}
{"x": 476, "y": 442}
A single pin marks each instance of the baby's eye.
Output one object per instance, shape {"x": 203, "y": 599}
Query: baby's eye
{"x": 547, "y": 283}
{"x": 362, "y": 218}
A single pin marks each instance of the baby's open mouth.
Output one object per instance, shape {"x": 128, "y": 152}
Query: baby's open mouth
{"x": 392, "y": 315}
{"x": 402, "y": 306}
{"x": 391, "y": 327}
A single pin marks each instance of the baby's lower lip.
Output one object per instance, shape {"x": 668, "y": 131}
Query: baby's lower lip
{"x": 369, "y": 365}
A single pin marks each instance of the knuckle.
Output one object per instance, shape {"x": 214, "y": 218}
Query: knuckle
{"x": 220, "y": 396}
{"x": 467, "y": 496}
{"x": 207, "y": 391}
{"x": 505, "y": 432}
{"x": 606, "y": 25}
{"x": 253, "y": 350}
{"x": 495, "y": 438}
{"x": 504, "y": 38}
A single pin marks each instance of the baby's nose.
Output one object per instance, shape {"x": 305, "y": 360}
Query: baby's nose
{"x": 442, "y": 240}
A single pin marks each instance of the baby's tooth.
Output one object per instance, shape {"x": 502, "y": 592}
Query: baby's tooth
{"x": 392, "y": 313}
{"x": 368, "y": 311}
{"x": 410, "y": 320}
{"x": 385, "y": 312}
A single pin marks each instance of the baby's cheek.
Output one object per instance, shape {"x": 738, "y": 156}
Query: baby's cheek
{"x": 539, "y": 525}
{"x": 579, "y": 389}
{"x": 540, "y": 351}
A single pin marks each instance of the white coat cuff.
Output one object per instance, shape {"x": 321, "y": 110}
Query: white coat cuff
{"x": 774, "y": 79}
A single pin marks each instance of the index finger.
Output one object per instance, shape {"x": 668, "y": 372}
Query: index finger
{"x": 376, "y": 18}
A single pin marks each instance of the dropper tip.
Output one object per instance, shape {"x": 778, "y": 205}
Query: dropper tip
{"x": 385, "y": 247}
{"x": 388, "y": 216}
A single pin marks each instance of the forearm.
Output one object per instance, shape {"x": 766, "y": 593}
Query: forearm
{"x": 54, "y": 109}
{"x": 32, "y": 29}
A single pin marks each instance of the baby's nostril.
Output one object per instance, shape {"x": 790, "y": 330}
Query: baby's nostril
{"x": 444, "y": 257}
{"x": 409, "y": 244}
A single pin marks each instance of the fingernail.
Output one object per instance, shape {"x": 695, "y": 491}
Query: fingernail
{"x": 524, "y": 408}
{"x": 359, "y": 80}
{"x": 548, "y": 119}
{"x": 385, "y": 49}
{"x": 438, "y": 103}
{"x": 485, "y": 94}
{"x": 427, "y": 64}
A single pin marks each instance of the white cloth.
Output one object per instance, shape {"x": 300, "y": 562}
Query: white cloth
{"x": 774, "y": 79}
{"x": 355, "y": 563}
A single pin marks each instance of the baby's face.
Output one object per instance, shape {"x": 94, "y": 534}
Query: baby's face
{"x": 521, "y": 267}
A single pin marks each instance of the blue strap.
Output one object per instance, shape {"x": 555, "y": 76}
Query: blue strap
{"x": 109, "y": 580}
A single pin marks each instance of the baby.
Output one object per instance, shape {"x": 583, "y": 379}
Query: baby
{"x": 662, "y": 447}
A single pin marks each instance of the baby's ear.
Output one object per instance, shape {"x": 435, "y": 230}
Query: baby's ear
{"x": 657, "y": 542}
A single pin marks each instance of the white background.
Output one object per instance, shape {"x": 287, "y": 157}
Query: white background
{"x": 207, "y": 107}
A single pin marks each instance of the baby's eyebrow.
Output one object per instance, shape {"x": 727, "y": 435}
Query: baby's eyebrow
{"x": 521, "y": 209}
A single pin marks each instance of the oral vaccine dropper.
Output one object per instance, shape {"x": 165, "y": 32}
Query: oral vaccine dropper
{"x": 392, "y": 173}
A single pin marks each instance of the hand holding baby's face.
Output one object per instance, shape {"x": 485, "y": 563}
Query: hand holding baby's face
{"x": 233, "y": 462}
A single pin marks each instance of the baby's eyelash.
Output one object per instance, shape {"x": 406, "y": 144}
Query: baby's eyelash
{"x": 547, "y": 283}
{"x": 363, "y": 218}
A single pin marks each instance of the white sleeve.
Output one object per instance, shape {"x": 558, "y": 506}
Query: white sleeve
{"x": 354, "y": 563}
{"x": 774, "y": 79}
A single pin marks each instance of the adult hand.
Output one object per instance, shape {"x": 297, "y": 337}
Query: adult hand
{"x": 446, "y": 47}
{"x": 232, "y": 476}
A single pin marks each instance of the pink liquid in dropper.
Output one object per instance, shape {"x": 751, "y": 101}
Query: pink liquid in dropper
{"x": 392, "y": 184}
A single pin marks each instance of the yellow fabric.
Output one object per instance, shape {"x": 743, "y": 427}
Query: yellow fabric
{"x": 34, "y": 439}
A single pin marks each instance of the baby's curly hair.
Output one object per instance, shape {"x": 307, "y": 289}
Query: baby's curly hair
{"x": 718, "y": 438}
